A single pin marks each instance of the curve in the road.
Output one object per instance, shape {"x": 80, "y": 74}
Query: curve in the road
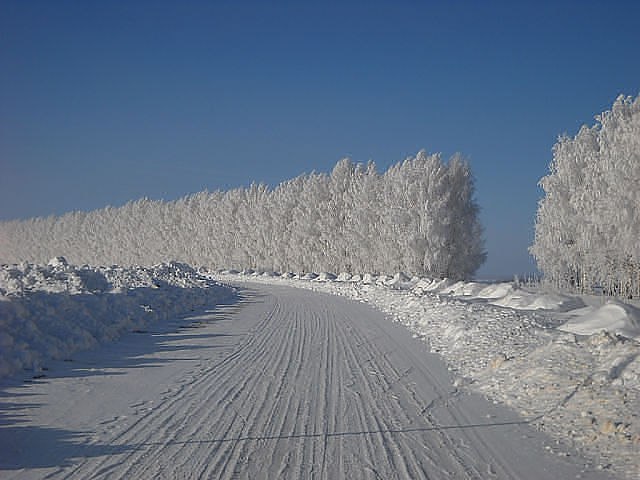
{"x": 307, "y": 385}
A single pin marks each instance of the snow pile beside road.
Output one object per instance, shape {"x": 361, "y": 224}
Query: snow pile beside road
{"x": 582, "y": 389}
{"x": 614, "y": 316}
{"x": 50, "y": 311}
{"x": 502, "y": 294}
{"x": 531, "y": 299}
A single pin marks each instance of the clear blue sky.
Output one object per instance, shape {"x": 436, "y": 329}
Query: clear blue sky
{"x": 103, "y": 102}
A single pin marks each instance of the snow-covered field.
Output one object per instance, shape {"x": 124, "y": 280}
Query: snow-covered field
{"x": 571, "y": 364}
{"x": 51, "y": 311}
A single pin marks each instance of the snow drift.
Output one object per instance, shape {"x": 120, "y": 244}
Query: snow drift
{"x": 615, "y": 317}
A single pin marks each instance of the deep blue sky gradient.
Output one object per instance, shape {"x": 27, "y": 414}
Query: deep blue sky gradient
{"x": 103, "y": 102}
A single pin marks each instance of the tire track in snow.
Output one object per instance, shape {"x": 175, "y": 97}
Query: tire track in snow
{"x": 314, "y": 386}
{"x": 162, "y": 422}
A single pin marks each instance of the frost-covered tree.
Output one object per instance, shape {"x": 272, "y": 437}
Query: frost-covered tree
{"x": 588, "y": 222}
{"x": 464, "y": 245}
{"x": 419, "y": 217}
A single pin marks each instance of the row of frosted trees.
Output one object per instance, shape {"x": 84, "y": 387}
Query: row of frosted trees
{"x": 588, "y": 223}
{"x": 420, "y": 217}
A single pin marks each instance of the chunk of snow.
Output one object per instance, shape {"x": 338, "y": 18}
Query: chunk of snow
{"x": 525, "y": 299}
{"x": 614, "y": 316}
{"x": 400, "y": 281}
{"x": 495, "y": 291}
{"x": 433, "y": 286}
{"x": 367, "y": 278}
{"x": 344, "y": 277}
{"x": 466, "y": 289}
{"x": 326, "y": 277}
{"x": 58, "y": 262}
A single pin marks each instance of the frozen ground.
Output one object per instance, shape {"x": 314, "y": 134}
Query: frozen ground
{"x": 285, "y": 383}
{"x": 570, "y": 364}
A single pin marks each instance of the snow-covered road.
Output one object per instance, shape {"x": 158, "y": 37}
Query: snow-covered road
{"x": 287, "y": 383}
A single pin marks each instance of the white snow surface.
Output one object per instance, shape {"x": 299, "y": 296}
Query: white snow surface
{"x": 284, "y": 383}
{"x": 613, "y": 316}
{"x": 50, "y": 311}
{"x": 571, "y": 368}
{"x": 569, "y": 365}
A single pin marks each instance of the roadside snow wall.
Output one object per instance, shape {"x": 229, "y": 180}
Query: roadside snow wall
{"x": 50, "y": 311}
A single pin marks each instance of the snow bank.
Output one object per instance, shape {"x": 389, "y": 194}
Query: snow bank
{"x": 615, "y": 317}
{"x": 506, "y": 342}
{"x": 531, "y": 299}
{"x": 502, "y": 294}
{"x": 50, "y": 311}
{"x": 426, "y": 285}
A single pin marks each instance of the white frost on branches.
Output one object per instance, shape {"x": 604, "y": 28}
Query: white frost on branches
{"x": 588, "y": 223}
{"x": 420, "y": 217}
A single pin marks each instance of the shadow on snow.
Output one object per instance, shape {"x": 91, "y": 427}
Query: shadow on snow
{"x": 24, "y": 445}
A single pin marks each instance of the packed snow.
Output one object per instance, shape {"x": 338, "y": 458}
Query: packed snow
{"x": 50, "y": 311}
{"x": 570, "y": 364}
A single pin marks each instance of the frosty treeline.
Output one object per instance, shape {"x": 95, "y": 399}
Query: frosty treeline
{"x": 419, "y": 217}
{"x": 588, "y": 223}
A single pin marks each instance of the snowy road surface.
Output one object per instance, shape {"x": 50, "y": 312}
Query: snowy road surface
{"x": 285, "y": 384}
